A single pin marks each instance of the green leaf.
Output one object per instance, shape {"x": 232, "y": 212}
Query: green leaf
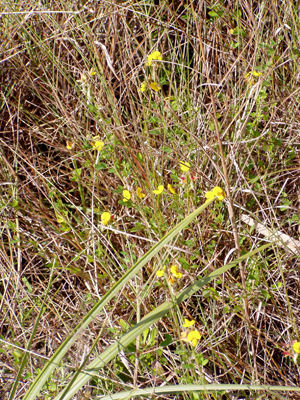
{"x": 100, "y": 166}
{"x": 167, "y": 341}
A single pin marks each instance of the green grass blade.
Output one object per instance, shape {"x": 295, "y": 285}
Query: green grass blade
{"x": 194, "y": 388}
{"x": 54, "y": 361}
{"x": 112, "y": 351}
{"x": 32, "y": 336}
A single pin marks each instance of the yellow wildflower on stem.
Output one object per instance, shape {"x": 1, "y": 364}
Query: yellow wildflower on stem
{"x": 188, "y": 323}
{"x": 171, "y": 189}
{"x": 139, "y": 193}
{"x": 193, "y": 337}
{"x": 155, "y": 86}
{"x": 184, "y": 166}
{"x": 105, "y": 218}
{"x": 216, "y": 192}
{"x": 174, "y": 271}
{"x": 126, "y": 195}
{"x": 156, "y": 55}
{"x": 161, "y": 272}
{"x": 159, "y": 190}
{"x": 97, "y": 144}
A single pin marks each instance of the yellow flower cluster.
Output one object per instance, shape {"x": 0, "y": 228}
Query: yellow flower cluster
{"x": 191, "y": 336}
{"x": 249, "y": 77}
{"x": 155, "y": 56}
{"x": 153, "y": 85}
{"x": 174, "y": 272}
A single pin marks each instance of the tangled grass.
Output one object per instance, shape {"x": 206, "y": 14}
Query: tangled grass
{"x": 223, "y": 100}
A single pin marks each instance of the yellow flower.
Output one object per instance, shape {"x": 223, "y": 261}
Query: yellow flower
{"x": 171, "y": 189}
{"x": 139, "y": 193}
{"x": 296, "y": 347}
{"x": 216, "y": 192}
{"x": 193, "y": 337}
{"x": 255, "y": 73}
{"x": 97, "y": 144}
{"x": 184, "y": 166}
{"x": 105, "y": 218}
{"x": 70, "y": 145}
{"x": 92, "y": 72}
{"x": 159, "y": 190}
{"x": 155, "y": 86}
{"x": 156, "y": 55}
{"x": 126, "y": 195}
{"x": 249, "y": 77}
{"x": 143, "y": 87}
{"x": 188, "y": 323}
{"x": 161, "y": 272}
{"x": 174, "y": 271}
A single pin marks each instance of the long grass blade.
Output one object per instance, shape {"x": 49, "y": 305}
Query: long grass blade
{"x": 54, "y": 361}
{"x": 112, "y": 351}
{"x": 194, "y": 388}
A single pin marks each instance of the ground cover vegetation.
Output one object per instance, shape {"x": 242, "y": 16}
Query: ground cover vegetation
{"x": 149, "y": 199}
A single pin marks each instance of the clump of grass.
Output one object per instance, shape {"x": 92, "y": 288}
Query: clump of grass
{"x": 116, "y": 120}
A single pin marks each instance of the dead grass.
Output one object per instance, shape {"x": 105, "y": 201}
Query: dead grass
{"x": 46, "y": 102}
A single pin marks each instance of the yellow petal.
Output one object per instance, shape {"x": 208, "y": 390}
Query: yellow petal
{"x": 193, "y": 337}
{"x": 105, "y": 218}
{"x": 296, "y": 347}
{"x": 209, "y": 195}
{"x": 171, "y": 189}
{"x": 188, "y": 323}
{"x": 98, "y": 145}
{"x": 143, "y": 87}
{"x": 70, "y": 145}
{"x": 155, "y": 86}
{"x": 255, "y": 73}
{"x": 178, "y": 275}
{"x": 174, "y": 269}
{"x": 160, "y": 273}
{"x": 126, "y": 195}
{"x": 184, "y": 166}
{"x": 217, "y": 191}
{"x": 139, "y": 193}
{"x": 92, "y": 72}
{"x": 156, "y": 55}
{"x": 159, "y": 190}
